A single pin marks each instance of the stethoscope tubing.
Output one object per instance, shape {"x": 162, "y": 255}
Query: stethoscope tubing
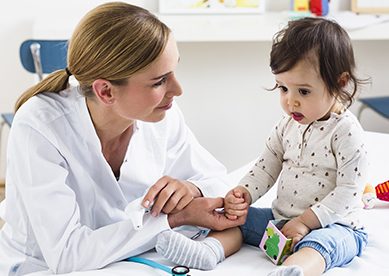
{"x": 153, "y": 264}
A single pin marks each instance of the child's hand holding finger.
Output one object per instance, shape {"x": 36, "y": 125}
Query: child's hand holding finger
{"x": 234, "y": 204}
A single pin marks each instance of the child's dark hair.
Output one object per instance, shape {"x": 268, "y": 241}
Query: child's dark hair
{"x": 325, "y": 40}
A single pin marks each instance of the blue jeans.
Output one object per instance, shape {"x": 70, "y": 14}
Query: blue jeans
{"x": 338, "y": 244}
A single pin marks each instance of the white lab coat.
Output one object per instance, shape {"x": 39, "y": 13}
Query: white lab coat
{"x": 64, "y": 208}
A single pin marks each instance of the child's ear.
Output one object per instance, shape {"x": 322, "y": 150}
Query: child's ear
{"x": 343, "y": 79}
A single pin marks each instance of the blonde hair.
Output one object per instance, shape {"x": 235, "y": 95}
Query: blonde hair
{"x": 113, "y": 41}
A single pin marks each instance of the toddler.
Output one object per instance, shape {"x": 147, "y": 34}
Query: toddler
{"x": 316, "y": 151}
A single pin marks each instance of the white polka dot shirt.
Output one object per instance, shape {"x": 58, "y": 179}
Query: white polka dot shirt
{"x": 322, "y": 166}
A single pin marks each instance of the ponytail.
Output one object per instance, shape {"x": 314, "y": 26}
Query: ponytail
{"x": 128, "y": 40}
{"x": 55, "y": 82}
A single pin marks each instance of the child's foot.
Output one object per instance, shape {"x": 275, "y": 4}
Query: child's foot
{"x": 181, "y": 250}
{"x": 293, "y": 270}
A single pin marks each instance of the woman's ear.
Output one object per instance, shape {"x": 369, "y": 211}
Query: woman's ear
{"x": 103, "y": 91}
{"x": 343, "y": 79}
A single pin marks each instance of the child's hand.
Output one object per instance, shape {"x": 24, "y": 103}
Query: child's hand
{"x": 295, "y": 229}
{"x": 236, "y": 203}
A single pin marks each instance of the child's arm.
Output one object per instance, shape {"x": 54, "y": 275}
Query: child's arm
{"x": 236, "y": 202}
{"x": 300, "y": 226}
{"x": 263, "y": 175}
{"x": 352, "y": 171}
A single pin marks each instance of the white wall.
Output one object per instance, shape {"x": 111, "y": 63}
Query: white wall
{"x": 224, "y": 100}
{"x": 225, "y": 103}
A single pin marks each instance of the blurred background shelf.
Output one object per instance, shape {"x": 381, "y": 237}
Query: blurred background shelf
{"x": 225, "y": 28}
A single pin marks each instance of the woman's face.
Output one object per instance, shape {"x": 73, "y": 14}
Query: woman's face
{"x": 149, "y": 94}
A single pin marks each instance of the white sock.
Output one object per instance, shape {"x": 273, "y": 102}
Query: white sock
{"x": 181, "y": 250}
{"x": 292, "y": 270}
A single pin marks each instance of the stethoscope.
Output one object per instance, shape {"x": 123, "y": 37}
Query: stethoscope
{"x": 175, "y": 271}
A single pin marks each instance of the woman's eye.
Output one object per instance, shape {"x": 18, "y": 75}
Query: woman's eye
{"x": 282, "y": 88}
{"x": 304, "y": 92}
{"x": 162, "y": 81}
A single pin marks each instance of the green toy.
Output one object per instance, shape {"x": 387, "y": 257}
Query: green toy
{"x": 276, "y": 246}
{"x": 271, "y": 244}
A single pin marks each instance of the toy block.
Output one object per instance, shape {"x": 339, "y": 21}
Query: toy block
{"x": 275, "y": 245}
{"x": 300, "y": 5}
{"x": 319, "y": 7}
{"x": 382, "y": 191}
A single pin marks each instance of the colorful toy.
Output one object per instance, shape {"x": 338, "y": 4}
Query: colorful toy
{"x": 319, "y": 7}
{"x": 300, "y": 5}
{"x": 276, "y": 246}
{"x": 382, "y": 191}
{"x": 371, "y": 195}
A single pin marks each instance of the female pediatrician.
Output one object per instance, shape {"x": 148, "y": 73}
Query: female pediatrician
{"x": 78, "y": 155}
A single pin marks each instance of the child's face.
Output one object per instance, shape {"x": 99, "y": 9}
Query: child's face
{"x": 303, "y": 94}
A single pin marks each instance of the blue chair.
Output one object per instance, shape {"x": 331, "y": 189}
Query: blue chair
{"x": 40, "y": 57}
{"x": 7, "y": 118}
{"x": 379, "y": 104}
{"x": 43, "y": 56}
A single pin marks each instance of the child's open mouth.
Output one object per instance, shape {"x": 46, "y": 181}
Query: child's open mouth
{"x": 297, "y": 116}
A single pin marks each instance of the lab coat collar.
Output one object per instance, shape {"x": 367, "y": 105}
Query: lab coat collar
{"x": 90, "y": 131}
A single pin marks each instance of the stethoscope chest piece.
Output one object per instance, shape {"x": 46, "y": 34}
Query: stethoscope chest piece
{"x": 180, "y": 270}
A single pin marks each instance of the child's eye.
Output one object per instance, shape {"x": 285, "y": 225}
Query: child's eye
{"x": 304, "y": 92}
{"x": 282, "y": 88}
{"x": 161, "y": 82}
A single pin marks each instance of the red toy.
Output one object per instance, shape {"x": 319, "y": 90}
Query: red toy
{"x": 371, "y": 195}
{"x": 382, "y": 191}
{"x": 319, "y": 7}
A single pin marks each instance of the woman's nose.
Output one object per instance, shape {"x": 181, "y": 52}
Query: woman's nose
{"x": 174, "y": 87}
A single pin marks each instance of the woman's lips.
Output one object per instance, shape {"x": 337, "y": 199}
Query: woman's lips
{"x": 297, "y": 116}
{"x": 166, "y": 106}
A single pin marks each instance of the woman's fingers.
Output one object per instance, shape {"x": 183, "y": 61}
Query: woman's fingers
{"x": 234, "y": 200}
{"x": 164, "y": 199}
{"x": 231, "y": 217}
{"x": 168, "y": 195}
{"x": 177, "y": 201}
{"x": 154, "y": 191}
{"x": 183, "y": 203}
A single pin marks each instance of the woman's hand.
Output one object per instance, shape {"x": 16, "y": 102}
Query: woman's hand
{"x": 203, "y": 211}
{"x": 169, "y": 195}
{"x": 237, "y": 202}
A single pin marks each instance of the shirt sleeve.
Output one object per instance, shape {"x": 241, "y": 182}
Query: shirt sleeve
{"x": 188, "y": 160}
{"x": 267, "y": 168}
{"x": 351, "y": 157}
{"x": 39, "y": 174}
